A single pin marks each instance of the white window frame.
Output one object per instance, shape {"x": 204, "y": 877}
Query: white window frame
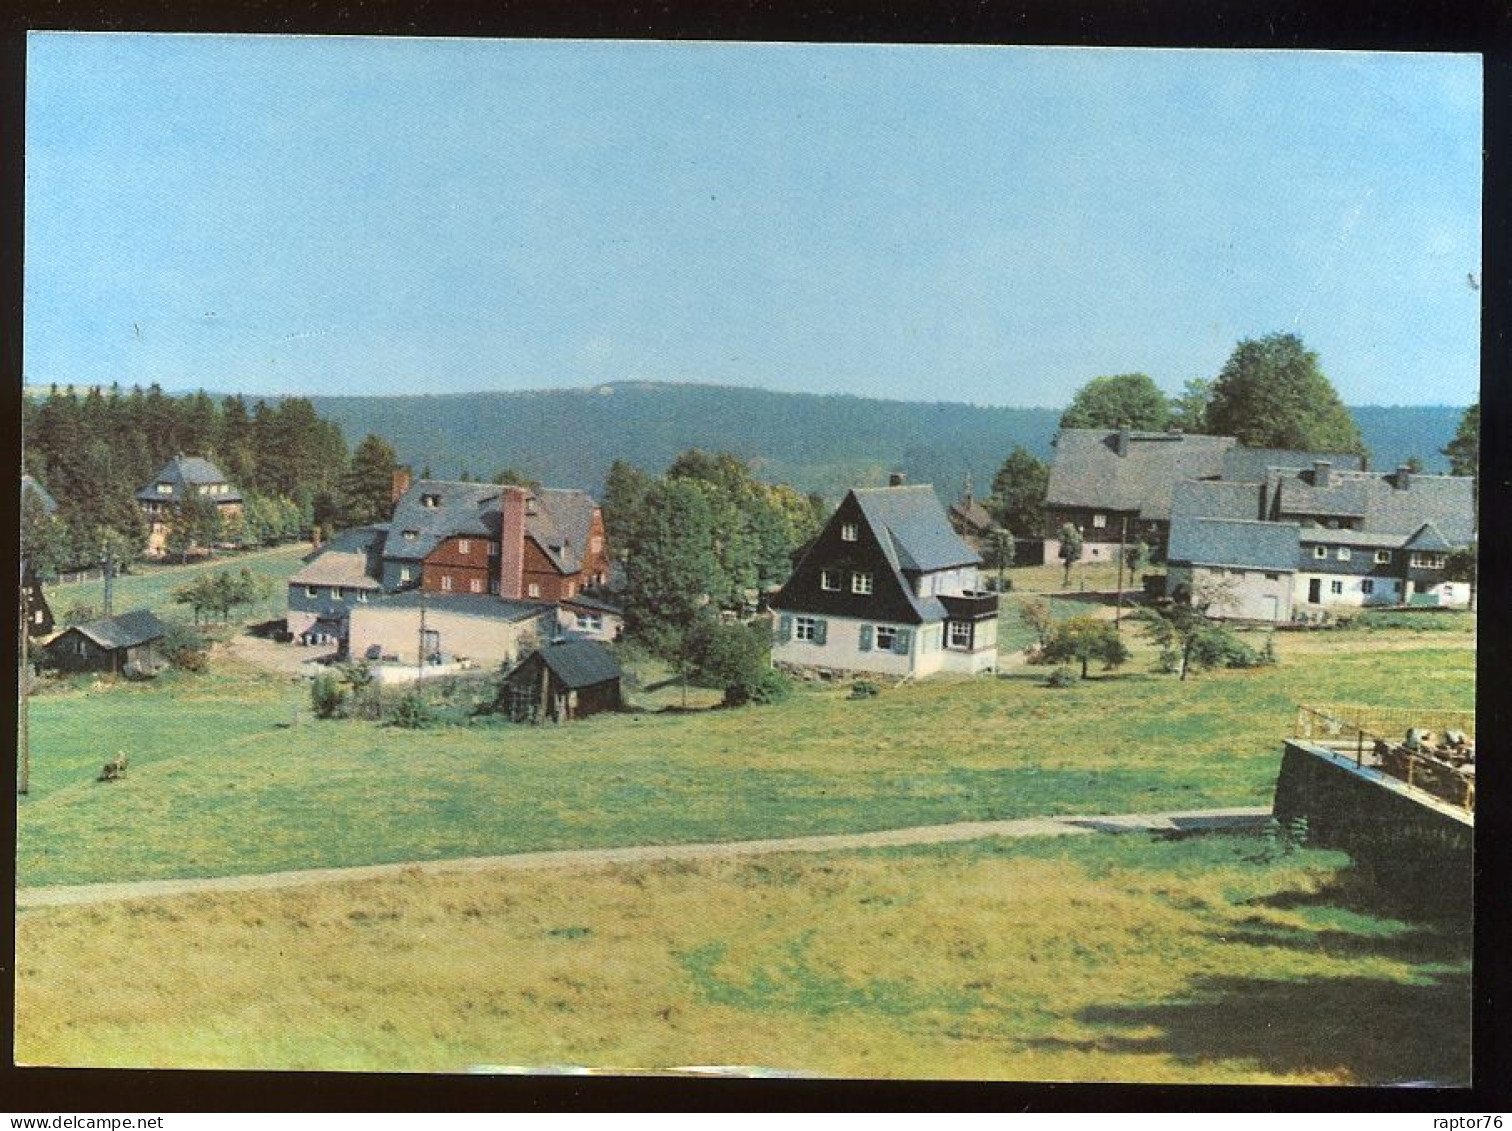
{"x": 848, "y": 532}
{"x": 863, "y": 583}
{"x": 1367, "y": 586}
{"x": 590, "y": 622}
{"x": 411, "y": 535}
{"x": 1320, "y": 552}
{"x": 312, "y": 591}
{"x": 1427, "y": 561}
{"x": 595, "y": 544}
{"x": 404, "y": 574}
{"x": 474, "y": 585}
{"x": 464, "y": 546}
{"x": 959, "y": 635}
{"x": 362, "y": 596}
{"x": 804, "y": 628}
{"x": 1099, "y": 521}
{"x": 1336, "y": 588}
{"x": 430, "y": 500}
{"x": 532, "y": 590}
{"x": 885, "y": 637}
{"x": 165, "y": 488}
{"x": 446, "y": 583}
{"x": 338, "y": 593}
{"x": 826, "y": 576}
{"x": 1342, "y": 553}
{"x": 1383, "y": 557}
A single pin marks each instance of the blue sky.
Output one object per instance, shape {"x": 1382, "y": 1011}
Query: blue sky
{"x": 344, "y": 215}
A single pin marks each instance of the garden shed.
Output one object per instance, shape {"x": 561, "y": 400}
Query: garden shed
{"x": 129, "y": 644}
{"x": 571, "y": 679}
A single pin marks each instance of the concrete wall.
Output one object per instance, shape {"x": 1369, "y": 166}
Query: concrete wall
{"x": 486, "y": 641}
{"x": 1422, "y": 852}
{"x": 1387, "y": 590}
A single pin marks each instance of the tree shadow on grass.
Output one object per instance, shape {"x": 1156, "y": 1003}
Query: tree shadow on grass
{"x": 1369, "y": 1030}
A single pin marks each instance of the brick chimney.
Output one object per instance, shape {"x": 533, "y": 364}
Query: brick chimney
{"x": 1322, "y": 473}
{"x": 401, "y": 484}
{"x": 1402, "y": 478}
{"x": 512, "y": 542}
{"x": 896, "y": 479}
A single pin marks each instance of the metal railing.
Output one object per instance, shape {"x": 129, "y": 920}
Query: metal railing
{"x": 1434, "y": 767}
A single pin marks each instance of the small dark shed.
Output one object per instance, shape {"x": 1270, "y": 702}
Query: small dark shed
{"x": 127, "y": 644}
{"x": 571, "y": 679}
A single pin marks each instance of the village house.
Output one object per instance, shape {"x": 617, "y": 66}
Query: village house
{"x": 128, "y": 644}
{"x": 887, "y": 587}
{"x": 1302, "y": 541}
{"x": 509, "y": 545}
{"x": 180, "y": 478}
{"x": 971, "y": 521}
{"x": 561, "y": 681}
{"x": 1115, "y": 485}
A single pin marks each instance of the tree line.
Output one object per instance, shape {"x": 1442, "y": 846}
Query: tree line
{"x": 92, "y": 453}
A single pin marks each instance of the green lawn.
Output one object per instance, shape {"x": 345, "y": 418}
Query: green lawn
{"x": 151, "y": 586}
{"x": 220, "y": 782}
{"x": 1089, "y": 958}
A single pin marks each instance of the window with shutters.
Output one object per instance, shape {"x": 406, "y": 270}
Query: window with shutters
{"x": 805, "y": 628}
{"x": 887, "y": 637}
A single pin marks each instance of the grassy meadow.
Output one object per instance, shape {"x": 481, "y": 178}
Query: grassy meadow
{"x": 1086, "y": 958}
{"x": 229, "y": 774}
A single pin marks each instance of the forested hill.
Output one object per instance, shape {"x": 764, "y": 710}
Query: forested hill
{"x": 817, "y": 443}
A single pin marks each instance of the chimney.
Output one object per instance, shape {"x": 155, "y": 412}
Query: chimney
{"x": 1402, "y": 479}
{"x": 400, "y": 484}
{"x": 1322, "y": 473}
{"x": 1122, "y": 442}
{"x": 896, "y": 479}
{"x": 512, "y": 543}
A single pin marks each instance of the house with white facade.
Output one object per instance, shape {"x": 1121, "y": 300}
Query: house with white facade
{"x": 886, "y": 588}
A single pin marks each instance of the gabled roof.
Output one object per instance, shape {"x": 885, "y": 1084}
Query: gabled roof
{"x": 49, "y": 504}
{"x": 1246, "y": 543}
{"x": 182, "y": 473}
{"x": 580, "y": 663}
{"x": 1088, "y": 470}
{"x": 972, "y": 513}
{"x": 1213, "y": 498}
{"x": 124, "y": 631}
{"x": 1250, "y": 465}
{"x": 337, "y": 567}
{"x": 1427, "y": 538}
{"x": 913, "y": 529}
{"x": 560, "y": 524}
{"x": 1383, "y": 508}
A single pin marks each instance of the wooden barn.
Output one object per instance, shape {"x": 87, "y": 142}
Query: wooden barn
{"x": 128, "y": 644}
{"x": 571, "y": 679}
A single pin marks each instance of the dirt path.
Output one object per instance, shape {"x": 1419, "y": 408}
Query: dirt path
{"x": 1194, "y": 821}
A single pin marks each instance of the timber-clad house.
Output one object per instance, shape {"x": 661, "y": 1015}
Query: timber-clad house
{"x": 889, "y": 588}
{"x": 508, "y": 545}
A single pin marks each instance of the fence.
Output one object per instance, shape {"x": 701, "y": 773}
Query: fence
{"x": 1446, "y": 772}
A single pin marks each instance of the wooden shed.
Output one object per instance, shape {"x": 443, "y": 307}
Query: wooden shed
{"x": 571, "y": 679}
{"x": 127, "y": 644}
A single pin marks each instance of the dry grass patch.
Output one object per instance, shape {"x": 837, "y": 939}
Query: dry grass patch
{"x": 1095, "y": 959}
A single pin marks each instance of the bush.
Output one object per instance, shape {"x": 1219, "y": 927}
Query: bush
{"x": 413, "y": 712}
{"x": 737, "y": 658}
{"x": 771, "y": 686}
{"x": 327, "y": 696}
{"x": 1061, "y": 677}
{"x": 864, "y": 689}
{"x": 186, "y": 648}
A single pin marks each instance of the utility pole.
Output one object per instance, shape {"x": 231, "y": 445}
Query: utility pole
{"x": 420, "y": 655}
{"x": 107, "y": 570}
{"x": 23, "y": 784}
{"x": 1123, "y": 538}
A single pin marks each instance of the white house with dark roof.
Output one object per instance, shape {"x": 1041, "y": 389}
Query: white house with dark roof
{"x": 887, "y": 587}
{"x": 180, "y": 478}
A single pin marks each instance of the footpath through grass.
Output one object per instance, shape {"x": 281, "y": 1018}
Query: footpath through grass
{"x": 1088, "y": 959}
{"x": 221, "y": 783}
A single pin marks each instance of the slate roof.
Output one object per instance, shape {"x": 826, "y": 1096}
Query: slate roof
{"x": 972, "y": 513}
{"x": 49, "y": 504}
{"x": 1213, "y": 498}
{"x": 580, "y": 663}
{"x": 560, "y": 526}
{"x": 1446, "y": 501}
{"x": 182, "y": 472}
{"x": 1087, "y": 470}
{"x": 1326, "y": 536}
{"x": 124, "y": 631}
{"x": 1427, "y": 537}
{"x": 1342, "y": 498}
{"x": 1251, "y": 544}
{"x": 462, "y": 604}
{"x": 1250, "y": 465}
{"x": 913, "y": 529}
{"x": 337, "y": 567}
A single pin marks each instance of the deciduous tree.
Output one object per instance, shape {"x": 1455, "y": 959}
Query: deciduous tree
{"x": 1018, "y": 493}
{"x": 1272, "y": 394}
{"x": 1127, "y": 400}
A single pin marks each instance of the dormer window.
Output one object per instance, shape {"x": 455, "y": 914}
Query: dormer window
{"x": 530, "y": 505}
{"x": 412, "y": 535}
{"x": 1383, "y": 557}
{"x": 430, "y": 500}
{"x": 165, "y": 488}
{"x": 848, "y": 532}
{"x": 1320, "y": 552}
{"x": 1343, "y": 553}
